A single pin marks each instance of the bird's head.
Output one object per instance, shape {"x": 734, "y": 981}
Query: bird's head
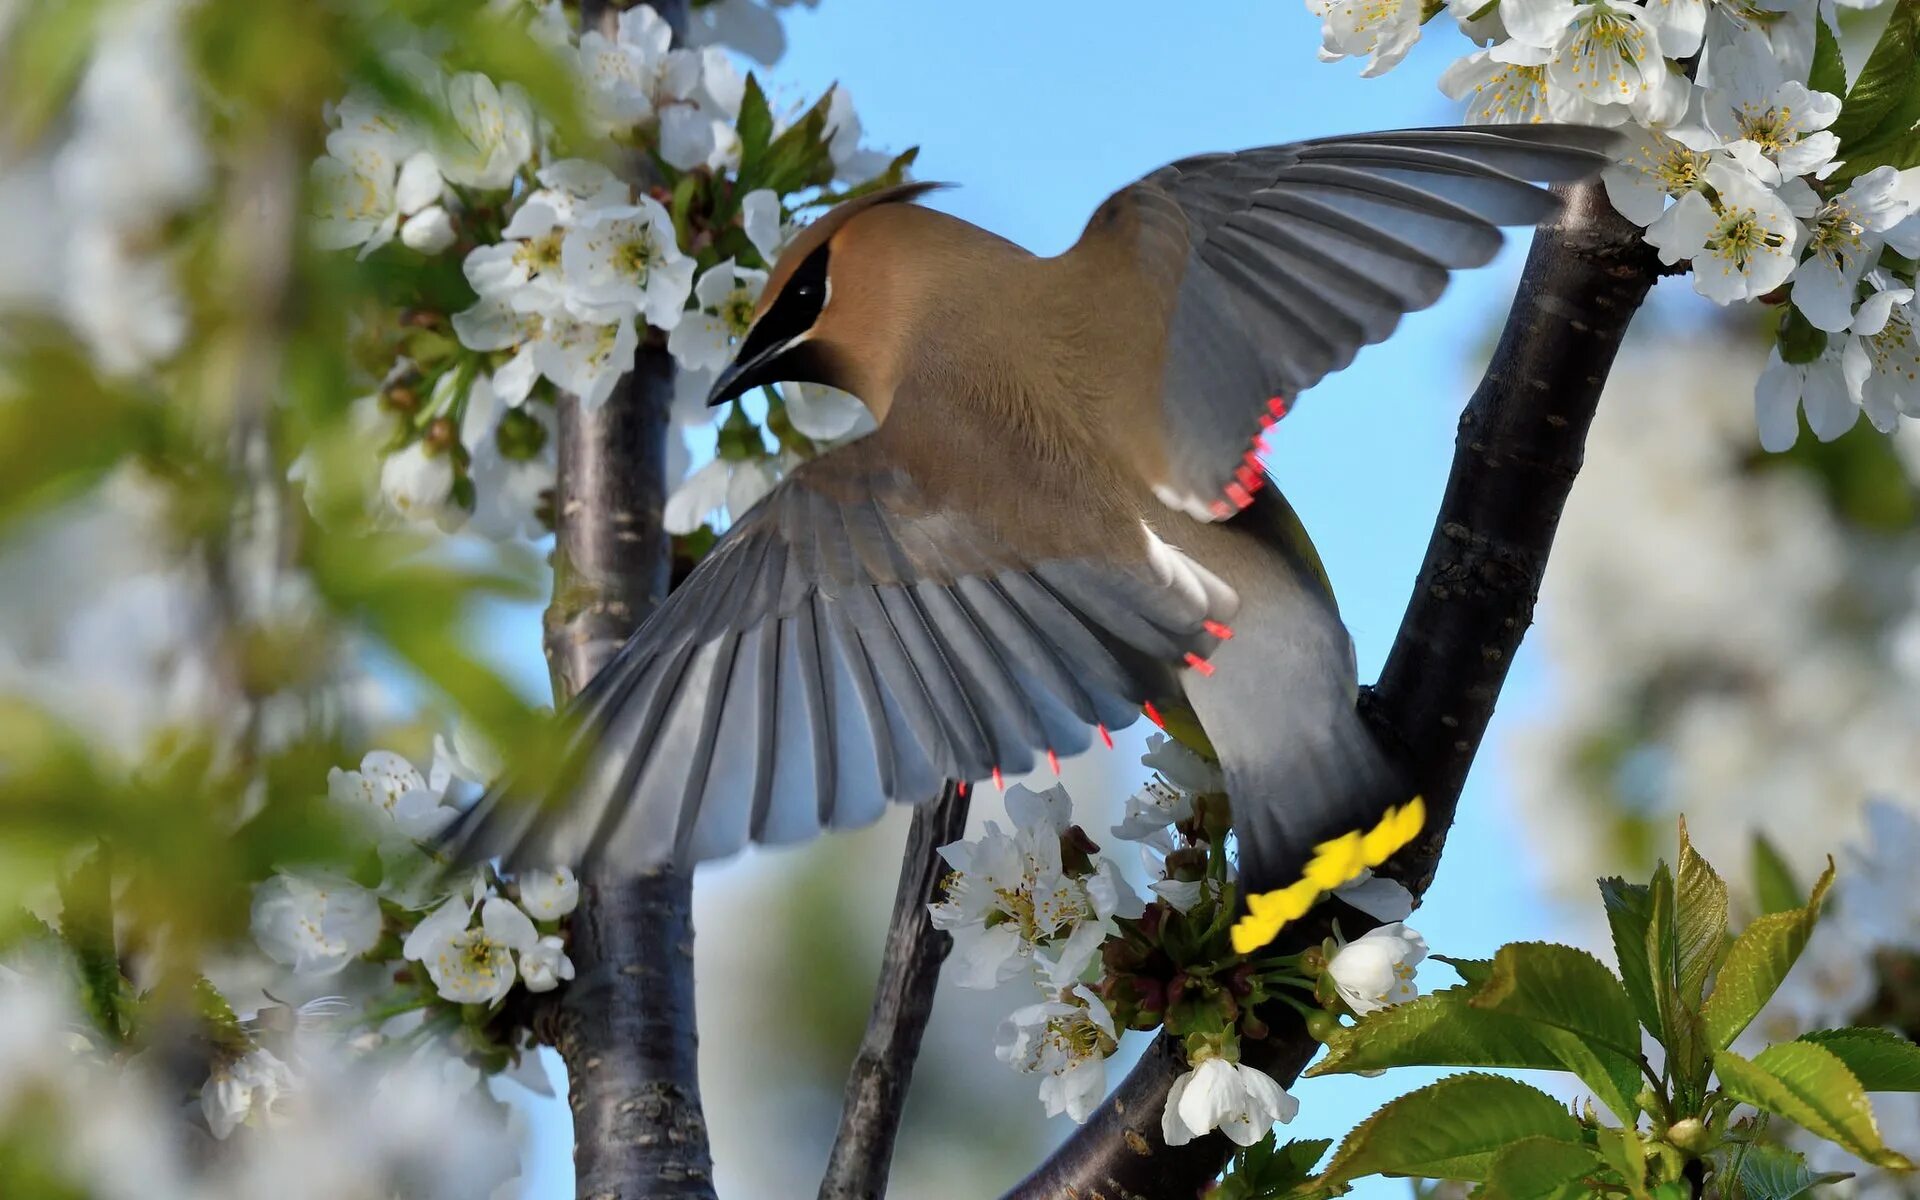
{"x": 823, "y": 315}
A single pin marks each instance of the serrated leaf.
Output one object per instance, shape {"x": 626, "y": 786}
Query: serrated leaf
{"x": 1810, "y": 1086}
{"x": 1579, "y": 1010}
{"x": 1880, "y": 1059}
{"x": 1439, "y": 1029}
{"x": 1538, "y": 1168}
{"x": 1470, "y": 970}
{"x": 1266, "y": 1169}
{"x": 1776, "y": 1173}
{"x": 1629, "y": 913}
{"x": 1756, "y": 963}
{"x": 1680, "y": 1028}
{"x": 1885, "y": 80}
{"x": 1876, "y": 126}
{"x": 1452, "y": 1129}
{"x": 798, "y": 158}
{"x": 1774, "y": 886}
{"x": 1622, "y": 1150}
{"x": 1829, "y": 73}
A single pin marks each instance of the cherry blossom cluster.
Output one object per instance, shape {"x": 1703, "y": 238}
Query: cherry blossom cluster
{"x": 574, "y": 268}
{"x": 449, "y": 956}
{"x": 1042, "y": 903}
{"x": 1749, "y": 161}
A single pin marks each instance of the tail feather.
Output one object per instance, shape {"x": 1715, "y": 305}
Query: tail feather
{"x": 1333, "y": 807}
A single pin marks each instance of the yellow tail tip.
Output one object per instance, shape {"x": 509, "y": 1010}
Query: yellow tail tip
{"x": 1334, "y": 863}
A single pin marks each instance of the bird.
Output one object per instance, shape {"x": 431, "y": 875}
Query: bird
{"x": 1059, "y": 523}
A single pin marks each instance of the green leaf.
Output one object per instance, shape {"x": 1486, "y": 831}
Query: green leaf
{"x": 1453, "y": 1129}
{"x": 1880, "y": 1059}
{"x": 1265, "y": 1170}
{"x": 1876, "y": 126}
{"x": 756, "y": 128}
{"x": 1774, "y": 1172}
{"x": 1537, "y": 1168}
{"x": 798, "y": 158}
{"x": 1439, "y": 1029}
{"x": 1829, "y": 72}
{"x": 1756, "y": 963}
{"x": 1885, "y": 80}
{"x": 1629, "y": 913}
{"x": 1773, "y": 883}
{"x": 86, "y": 925}
{"x": 1579, "y": 1010}
{"x": 1470, "y": 970}
{"x": 1624, "y": 1152}
{"x": 1810, "y": 1086}
{"x": 895, "y": 172}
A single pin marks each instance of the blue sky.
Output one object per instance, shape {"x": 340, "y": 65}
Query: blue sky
{"x": 1039, "y": 110}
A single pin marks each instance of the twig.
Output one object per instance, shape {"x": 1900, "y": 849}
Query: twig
{"x": 902, "y": 1002}
{"x": 1520, "y": 445}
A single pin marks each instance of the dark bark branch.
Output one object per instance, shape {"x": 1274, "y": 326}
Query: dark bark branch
{"x": 1520, "y": 445}
{"x": 625, "y": 1026}
{"x": 902, "y": 1002}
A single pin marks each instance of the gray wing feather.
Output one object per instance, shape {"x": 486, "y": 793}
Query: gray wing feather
{"x": 833, "y": 653}
{"x": 1291, "y": 258}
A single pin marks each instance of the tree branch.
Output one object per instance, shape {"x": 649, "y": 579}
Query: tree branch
{"x": 625, "y": 1025}
{"x": 902, "y": 1002}
{"x": 1520, "y": 445}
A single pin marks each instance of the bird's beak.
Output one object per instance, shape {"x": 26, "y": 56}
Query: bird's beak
{"x": 742, "y": 375}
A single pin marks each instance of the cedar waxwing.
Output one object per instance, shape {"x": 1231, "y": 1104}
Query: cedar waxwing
{"x": 1059, "y": 523}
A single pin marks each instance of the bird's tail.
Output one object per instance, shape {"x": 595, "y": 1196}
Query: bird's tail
{"x": 1326, "y": 809}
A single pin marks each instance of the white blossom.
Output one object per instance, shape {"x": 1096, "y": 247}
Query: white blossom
{"x": 1775, "y": 126}
{"x": 634, "y": 74}
{"x": 1376, "y": 969}
{"x": 699, "y": 495}
{"x": 492, "y": 134}
{"x": 1181, "y": 767}
{"x": 545, "y": 966}
{"x": 765, "y": 226}
{"x": 1652, "y": 169}
{"x": 625, "y": 260}
{"x": 852, "y": 162}
{"x": 473, "y": 965}
{"x": 391, "y": 795}
{"x": 1381, "y": 30}
{"x": 1151, "y": 809}
{"x": 416, "y": 482}
{"x": 1602, "y": 52}
{"x": 1880, "y": 357}
{"x": 1844, "y": 236}
{"x": 724, "y": 299}
{"x": 549, "y": 894}
{"x": 244, "y": 1091}
{"x": 1240, "y": 1101}
{"x": 465, "y": 755}
{"x": 1744, "y": 248}
{"x": 315, "y": 924}
{"x": 826, "y": 414}
{"x": 1067, "y": 1040}
{"x": 1381, "y": 898}
{"x": 429, "y": 231}
{"x": 1785, "y": 388}
{"x": 695, "y": 136}
{"x": 1009, "y": 901}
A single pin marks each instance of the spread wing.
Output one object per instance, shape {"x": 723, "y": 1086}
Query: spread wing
{"x": 1271, "y": 268}
{"x": 858, "y": 637}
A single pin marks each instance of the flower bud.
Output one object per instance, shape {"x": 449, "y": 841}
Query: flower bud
{"x": 1689, "y": 1135}
{"x": 1323, "y": 1026}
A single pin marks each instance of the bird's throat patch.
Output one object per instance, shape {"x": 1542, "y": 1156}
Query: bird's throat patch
{"x": 1334, "y": 863}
